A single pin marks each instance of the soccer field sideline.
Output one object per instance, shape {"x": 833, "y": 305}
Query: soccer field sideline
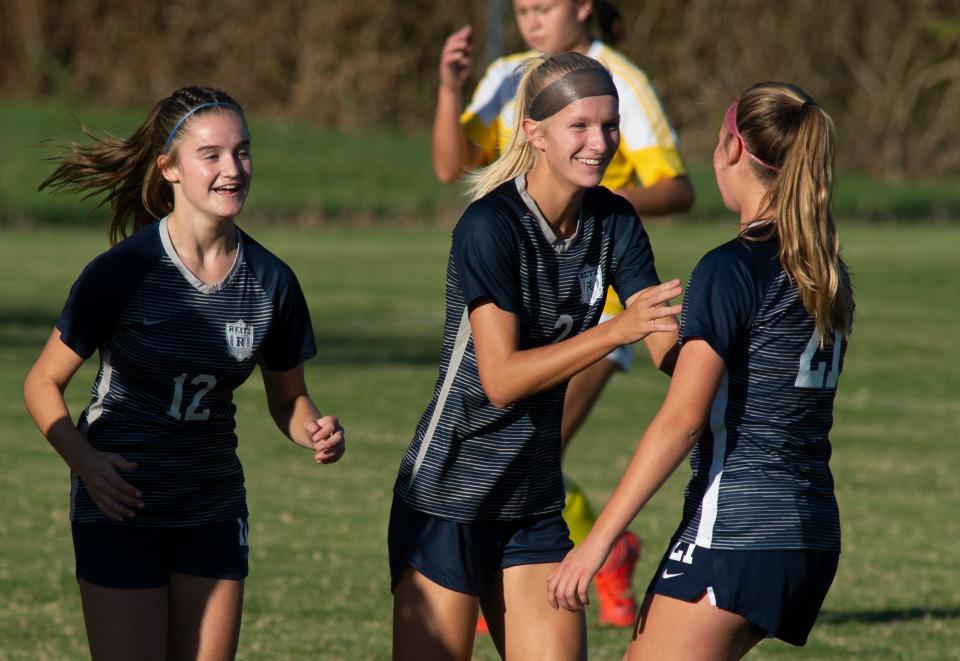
{"x": 318, "y": 586}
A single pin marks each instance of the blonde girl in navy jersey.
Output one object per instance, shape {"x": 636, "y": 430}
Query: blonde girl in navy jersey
{"x": 477, "y": 502}
{"x": 180, "y": 311}
{"x": 763, "y": 334}
{"x": 646, "y": 170}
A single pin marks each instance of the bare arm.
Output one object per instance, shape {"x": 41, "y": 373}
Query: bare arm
{"x": 669, "y": 438}
{"x": 297, "y": 416}
{"x": 671, "y": 195}
{"x": 509, "y": 374}
{"x": 43, "y": 395}
{"x": 452, "y": 152}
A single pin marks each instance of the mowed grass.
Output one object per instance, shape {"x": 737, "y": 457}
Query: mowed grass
{"x": 319, "y": 586}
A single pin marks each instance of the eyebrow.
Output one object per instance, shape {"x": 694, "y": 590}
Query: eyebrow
{"x": 244, "y": 143}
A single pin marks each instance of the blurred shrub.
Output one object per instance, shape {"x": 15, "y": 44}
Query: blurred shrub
{"x": 888, "y": 70}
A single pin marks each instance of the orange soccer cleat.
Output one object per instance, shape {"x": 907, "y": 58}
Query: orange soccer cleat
{"x": 618, "y": 605}
{"x": 482, "y": 627}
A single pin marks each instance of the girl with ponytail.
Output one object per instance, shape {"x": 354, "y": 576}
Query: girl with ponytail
{"x": 476, "y": 518}
{"x": 763, "y": 337}
{"x": 646, "y": 170}
{"x": 181, "y": 309}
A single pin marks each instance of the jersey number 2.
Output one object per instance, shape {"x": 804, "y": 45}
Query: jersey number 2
{"x": 809, "y": 377}
{"x": 208, "y": 382}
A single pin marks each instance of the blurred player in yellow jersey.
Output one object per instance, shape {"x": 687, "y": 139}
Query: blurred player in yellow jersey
{"x": 646, "y": 170}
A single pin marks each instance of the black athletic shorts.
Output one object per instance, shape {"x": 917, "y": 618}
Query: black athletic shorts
{"x": 131, "y": 557}
{"x": 466, "y": 557}
{"x": 779, "y": 592}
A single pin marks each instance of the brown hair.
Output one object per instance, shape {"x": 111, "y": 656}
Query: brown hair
{"x": 126, "y": 170}
{"x": 609, "y": 21}
{"x": 783, "y": 126}
{"x": 518, "y": 156}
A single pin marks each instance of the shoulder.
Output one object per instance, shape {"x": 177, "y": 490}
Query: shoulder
{"x": 271, "y": 272}
{"x": 614, "y": 211}
{"x": 135, "y": 254}
{"x": 626, "y": 74}
{"x": 496, "y": 213}
{"x": 507, "y": 67}
{"x": 741, "y": 258}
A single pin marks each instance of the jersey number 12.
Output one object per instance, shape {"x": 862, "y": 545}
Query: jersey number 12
{"x": 208, "y": 382}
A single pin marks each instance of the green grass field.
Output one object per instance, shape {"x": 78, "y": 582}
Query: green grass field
{"x": 318, "y": 587}
{"x": 310, "y": 174}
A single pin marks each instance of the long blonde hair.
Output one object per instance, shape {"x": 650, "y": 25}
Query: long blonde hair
{"x": 126, "y": 170}
{"x": 784, "y": 127}
{"x": 519, "y": 156}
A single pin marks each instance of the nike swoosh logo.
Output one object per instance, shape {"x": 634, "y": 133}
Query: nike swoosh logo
{"x": 153, "y": 322}
{"x": 667, "y": 574}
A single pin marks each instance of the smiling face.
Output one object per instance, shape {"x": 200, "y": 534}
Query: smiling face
{"x": 212, "y": 169}
{"x": 577, "y": 143}
{"x": 553, "y": 26}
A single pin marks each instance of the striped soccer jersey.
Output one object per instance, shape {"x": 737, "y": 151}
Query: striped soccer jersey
{"x": 172, "y": 351}
{"x": 648, "y": 145}
{"x": 470, "y": 461}
{"x": 761, "y": 478}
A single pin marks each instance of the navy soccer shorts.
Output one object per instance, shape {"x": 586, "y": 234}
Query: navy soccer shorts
{"x": 467, "y": 557}
{"x": 130, "y": 557}
{"x": 779, "y": 592}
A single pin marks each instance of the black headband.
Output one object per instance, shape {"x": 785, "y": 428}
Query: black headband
{"x": 571, "y": 87}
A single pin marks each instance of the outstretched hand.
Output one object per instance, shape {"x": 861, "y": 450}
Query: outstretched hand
{"x": 116, "y": 498}
{"x": 327, "y": 436}
{"x": 568, "y": 586}
{"x": 646, "y": 313}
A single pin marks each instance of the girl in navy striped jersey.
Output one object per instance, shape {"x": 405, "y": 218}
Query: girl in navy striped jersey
{"x": 763, "y": 335}
{"x": 181, "y": 311}
{"x": 476, "y": 515}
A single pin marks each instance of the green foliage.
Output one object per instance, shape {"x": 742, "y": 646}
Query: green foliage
{"x": 305, "y": 174}
{"x": 319, "y": 583}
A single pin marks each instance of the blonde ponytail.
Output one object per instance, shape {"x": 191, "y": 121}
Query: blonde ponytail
{"x": 783, "y": 126}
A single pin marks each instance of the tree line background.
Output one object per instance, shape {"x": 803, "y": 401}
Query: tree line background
{"x": 888, "y": 70}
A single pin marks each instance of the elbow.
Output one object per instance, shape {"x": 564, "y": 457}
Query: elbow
{"x": 685, "y": 197}
{"x": 499, "y": 398}
{"x": 445, "y": 174}
{"x": 499, "y": 393}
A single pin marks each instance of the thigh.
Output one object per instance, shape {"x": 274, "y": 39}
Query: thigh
{"x": 125, "y": 624}
{"x": 671, "y": 628}
{"x": 431, "y": 622}
{"x": 531, "y": 629}
{"x": 204, "y": 617}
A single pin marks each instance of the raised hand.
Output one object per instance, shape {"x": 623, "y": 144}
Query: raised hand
{"x": 456, "y": 59}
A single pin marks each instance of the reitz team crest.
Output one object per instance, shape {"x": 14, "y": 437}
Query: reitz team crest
{"x": 591, "y": 284}
{"x": 239, "y": 340}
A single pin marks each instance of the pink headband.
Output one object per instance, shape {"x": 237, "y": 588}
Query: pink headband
{"x": 730, "y": 118}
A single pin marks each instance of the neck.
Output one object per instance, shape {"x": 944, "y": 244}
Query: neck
{"x": 201, "y": 237}
{"x": 558, "y": 201}
{"x": 753, "y": 205}
{"x": 582, "y": 45}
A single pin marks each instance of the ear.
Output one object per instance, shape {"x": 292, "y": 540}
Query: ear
{"x": 732, "y": 150}
{"x": 533, "y": 134}
{"x": 584, "y": 10}
{"x": 168, "y": 168}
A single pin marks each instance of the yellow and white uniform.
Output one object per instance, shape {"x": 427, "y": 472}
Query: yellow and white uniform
{"x": 648, "y": 144}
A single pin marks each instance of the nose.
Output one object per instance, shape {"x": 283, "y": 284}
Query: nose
{"x": 231, "y": 167}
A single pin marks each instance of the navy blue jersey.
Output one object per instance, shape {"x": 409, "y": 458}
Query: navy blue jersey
{"x": 172, "y": 351}
{"x": 761, "y": 478}
{"x": 470, "y": 461}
